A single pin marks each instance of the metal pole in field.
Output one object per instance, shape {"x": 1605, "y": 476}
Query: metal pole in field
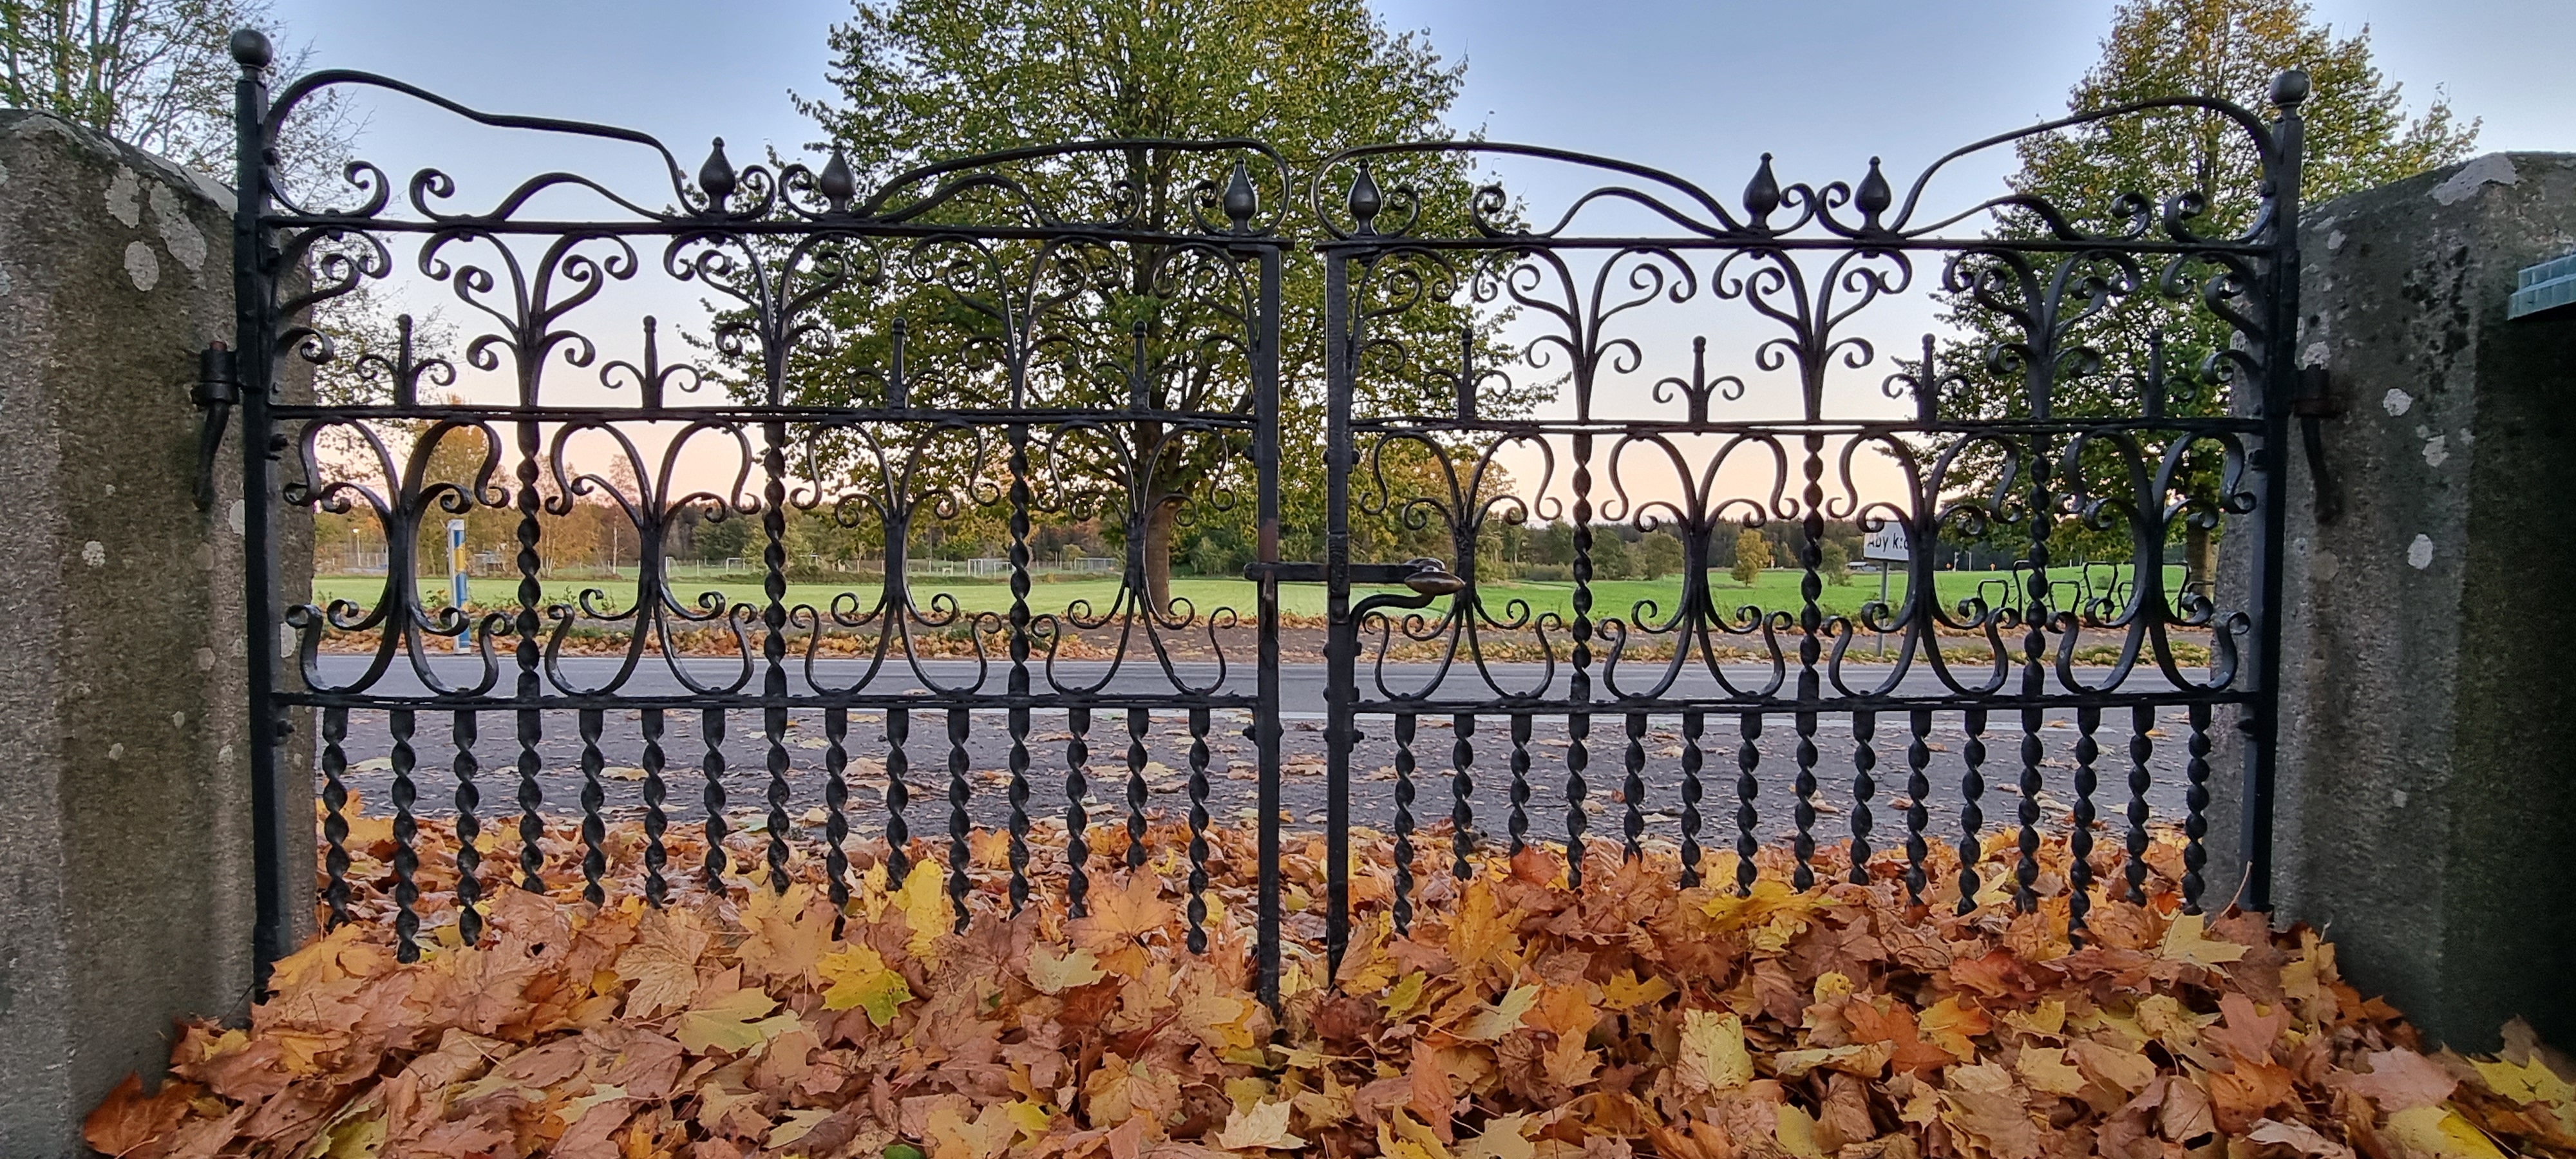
{"x": 456, "y": 582}
{"x": 1882, "y": 598}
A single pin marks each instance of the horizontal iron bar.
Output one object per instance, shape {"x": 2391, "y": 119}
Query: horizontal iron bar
{"x": 1382, "y": 574}
{"x": 1372, "y": 246}
{"x": 753, "y": 413}
{"x": 568, "y": 702}
{"x": 725, "y": 227}
{"x": 1410, "y": 424}
{"x": 1834, "y": 706}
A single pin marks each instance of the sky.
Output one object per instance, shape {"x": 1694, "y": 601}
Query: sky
{"x": 1699, "y": 89}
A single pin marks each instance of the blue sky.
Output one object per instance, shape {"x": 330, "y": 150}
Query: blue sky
{"x": 1697, "y": 87}
{"x": 1701, "y": 89}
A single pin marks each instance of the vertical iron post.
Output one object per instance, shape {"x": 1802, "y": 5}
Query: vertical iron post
{"x": 1265, "y": 722}
{"x": 255, "y": 336}
{"x": 1341, "y": 638}
{"x": 2262, "y": 723}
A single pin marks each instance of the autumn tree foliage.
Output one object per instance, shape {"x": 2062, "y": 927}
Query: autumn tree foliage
{"x": 2359, "y": 134}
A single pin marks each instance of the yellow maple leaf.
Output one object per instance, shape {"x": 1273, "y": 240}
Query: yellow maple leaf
{"x": 859, "y": 979}
{"x": 1713, "y": 1057}
{"x": 2045, "y": 1069}
{"x": 788, "y": 933}
{"x": 2188, "y": 940}
{"x": 1401, "y": 1136}
{"x": 1624, "y": 991}
{"x": 662, "y": 964}
{"x": 1479, "y": 930}
{"x": 733, "y": 1021}
{"x": 2437, "y": 1133}
{"x": 926, "y": 911}
{"x": 1502, "y": 1140}
{"x": 1502, "y": 1017}
{"x": 1403, "y": 997}
{"x": 1054, "y": 974}
{"x": 1949, "y": 1024}
{"x": 1259, "y": 1125}
{"x": 2531, "y": 1082}
{"x": 1796, "y": 1131}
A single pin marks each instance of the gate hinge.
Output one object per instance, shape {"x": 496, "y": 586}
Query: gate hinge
{"x": 2315, "y": 403}
{"x": 217, "y": 391}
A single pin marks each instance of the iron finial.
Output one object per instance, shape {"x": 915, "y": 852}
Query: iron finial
{"x": 1241, "y": 202}
{"x": 716, "y": 177}
{"x": 251, "y": 48}
{"x": 1365, "y": 201}
{"x": 1874, "y": 196}
{"x": 2290, "y": 88}
{"x": 1762, "y": 194}
{"x": 838, "y": 184}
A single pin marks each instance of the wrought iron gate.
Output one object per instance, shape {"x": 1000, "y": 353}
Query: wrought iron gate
{"x": 1042, "y": 339}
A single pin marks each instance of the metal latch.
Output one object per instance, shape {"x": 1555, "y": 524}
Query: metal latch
{"x": 1428, "y": 577}
{"x": 218, "y": 390}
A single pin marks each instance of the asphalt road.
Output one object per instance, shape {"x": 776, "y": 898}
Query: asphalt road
{"x": 1742, "y": 778}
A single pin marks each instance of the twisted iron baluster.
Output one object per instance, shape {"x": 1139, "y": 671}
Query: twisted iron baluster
{"x": 1633, "y": 823}
{"x": 1462, "y": 787}
{"x": 1918, "y": 785}
{"x": 335, "y": 821}
{"x": 657, "y": 820}
{"x": 773, "y": 638}
{"x": 1748, "y": 757}
{"x": 1139, "y": 722}
{"x": 1519, "y": 822}
{"x": 1578, "y": 725}
{"x": 1403, "y": 823}
{"x": 1694, "y": 723}
{"x": 898, "y": 765}
{"x": 711, "y": 761}
{"x": 1077, "y": 821}
{"x": 1803, "y": 814}
{"x": 1198, "y": 830}
{"x": 594, "y": 830}
{"x": 1864, "y": 786}
{"x": 836, "y": 808}
{"x": 1972, "y": 790}
{"x": 959, "y": 853}
{"x": 532, "y": 799}
{"x": 469, "y": 829}
{"x": 2079, "y": 844}
{"x": 2195, "y": 806}
{"x": 2026, "y": 871}
{"x": 1019, "y": 679}
{"x": 2141, "y": 719}
{"x": 406, "y": 864}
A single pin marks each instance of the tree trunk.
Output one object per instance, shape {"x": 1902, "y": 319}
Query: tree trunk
{"x": 2199, "y": 558}
{"x": 1160, "y": 516}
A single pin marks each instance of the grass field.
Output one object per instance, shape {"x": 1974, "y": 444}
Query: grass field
{"x": 1775, "y": 590}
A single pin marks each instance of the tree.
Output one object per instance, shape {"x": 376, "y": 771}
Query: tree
{"x": 927, "y": 80}
{"x": 1752, "y": 554}
{"x": 1659, "y": 554}
{"x": 1611, "y": 559}
{"x": 2358, "y": 135}
{"x": 1836, "y": 564}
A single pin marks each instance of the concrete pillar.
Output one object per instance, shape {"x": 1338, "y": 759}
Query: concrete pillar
{"x": 126, "y": 895}
{"x": 2427, "y": 792}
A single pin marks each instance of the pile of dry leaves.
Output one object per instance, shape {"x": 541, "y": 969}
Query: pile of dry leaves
{"x": 1520, "y": 1019}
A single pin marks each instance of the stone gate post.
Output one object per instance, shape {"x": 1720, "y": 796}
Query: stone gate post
{"x": 126, "y": 895}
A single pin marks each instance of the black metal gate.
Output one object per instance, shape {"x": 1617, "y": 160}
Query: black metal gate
{"x": 1044, "y": 341}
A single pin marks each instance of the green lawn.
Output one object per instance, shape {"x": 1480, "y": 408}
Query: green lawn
{"x": 1775, "y": 590}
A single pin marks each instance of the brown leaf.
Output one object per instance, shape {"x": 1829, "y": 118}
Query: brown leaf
{"x": 2400, "y": 1079}
{"x": 128, "y": 1120}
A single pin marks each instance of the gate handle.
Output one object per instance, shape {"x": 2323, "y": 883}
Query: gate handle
{"x": 1428, "y": 577}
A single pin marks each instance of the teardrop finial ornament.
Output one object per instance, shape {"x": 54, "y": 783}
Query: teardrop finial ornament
{"x": 1241, "y": 201}
{"x": 717, "y": 177}
{"x": 2290, "y": 88}
{"x": 837, "y": 183}
{"x": 1762, "y": 194}
{"x": 1874, "y": 196}
{"x": 1365, "y": 201}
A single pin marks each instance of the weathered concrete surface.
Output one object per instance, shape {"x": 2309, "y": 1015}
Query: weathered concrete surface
{"x": 2427, "y": 793}
{"x": 125, "y": 849}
